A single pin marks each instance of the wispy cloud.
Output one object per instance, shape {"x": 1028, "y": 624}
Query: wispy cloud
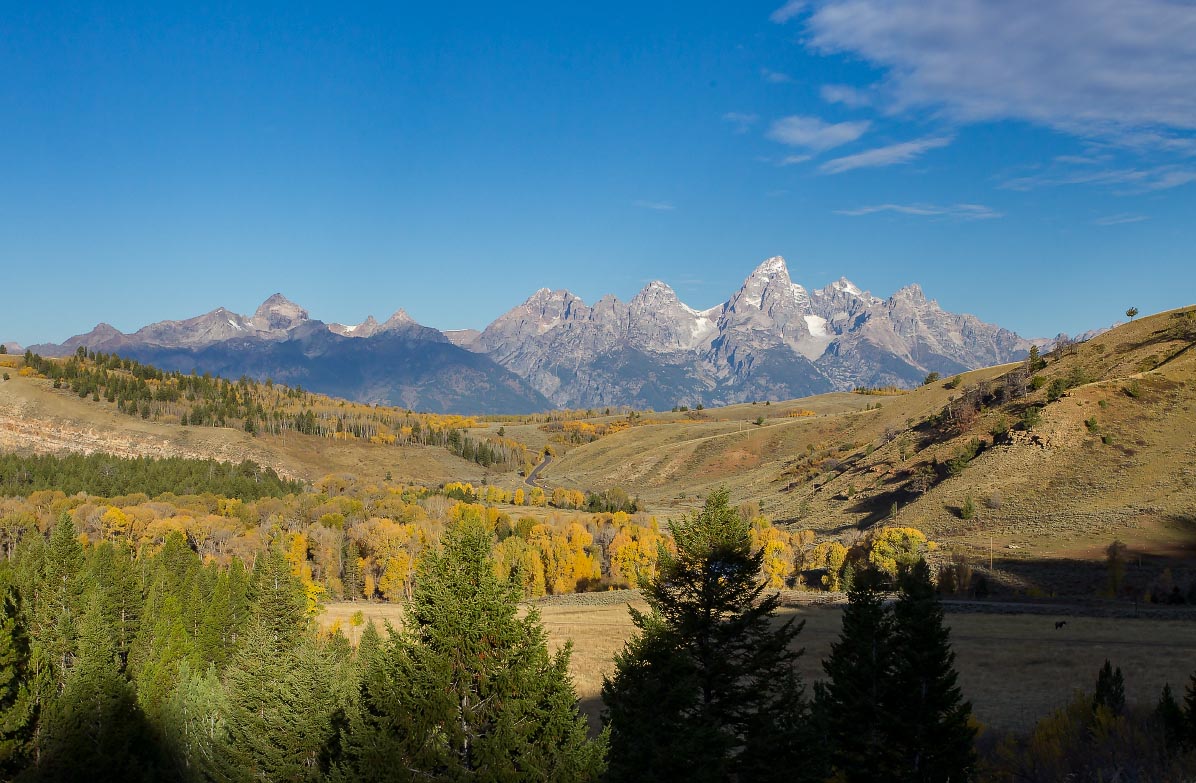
{"x": 1121, "y": 72}
{"x": 1117, "y": 220}
{"x": 786, "y": 12}
{"x": 889, "y": 155}
{"x": 742, "y": 122}
{"x": 659, "y": 206}
{"x": 814, "y": 134}
{"x": 1124, "y": 180}
{"x": 954, "y": 211}
{"x": 791, "y": 160}
{"x": 845, "y": 94}
{"x": 775, "y": 77}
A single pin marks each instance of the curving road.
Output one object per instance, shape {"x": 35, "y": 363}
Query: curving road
{"x": 531, "y": 477}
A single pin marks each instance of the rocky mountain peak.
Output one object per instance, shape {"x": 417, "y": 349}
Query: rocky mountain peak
{"x": 399, "y": 317}
{"x": 844, "y": 285}
{"x": 769, "y": 287}
{"x": 278, "y": 314}
{"x": 910, "y": 293}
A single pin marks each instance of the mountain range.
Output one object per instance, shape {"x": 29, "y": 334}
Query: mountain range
{"x": 772, "y": 339}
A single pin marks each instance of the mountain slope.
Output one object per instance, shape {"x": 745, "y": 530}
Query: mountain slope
{"x": 772, "y": 339}
{"x": 398, "y": 362}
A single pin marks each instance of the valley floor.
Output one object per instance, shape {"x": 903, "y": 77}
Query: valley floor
{"x": 1014, "y": 665}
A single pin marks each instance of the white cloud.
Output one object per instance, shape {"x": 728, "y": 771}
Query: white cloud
{"x": 1124, "y": 72}
{"x": 955, "y": 211}
{"x": 659, "y": 206}
{"x": 775, "y": 77}
{"x": 847, "y": 95}
{"x": 889, "y": 155}
{"x": 815, "y": 134}
{"x": 1126, "y": 180}
{"x": 790, "y": 160}
{"x": 786, "y": 12}
{"x": 742, "y": 122}
{"x": 1118, "y": 220}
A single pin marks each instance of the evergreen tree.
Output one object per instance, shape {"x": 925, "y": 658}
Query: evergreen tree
{"x": 95, "y": 730}
{"x": 467, "y": 691}
{"x": 278, "y": 684}
{"x": 1110, "y": 690}
{"x": 352, "y": 581}
{"x": 855, "y": 705}
{"x": 59, "y": 596}
{"x": 110, "y": 576}
{"x": 1190, "y": 712}
{"x": 193, "y": 727}
{"x": 16, "y": 703}
{"x": 1171, "y": 718}
{"x": 706, "y": 689}
{"x": 933, "y": 737}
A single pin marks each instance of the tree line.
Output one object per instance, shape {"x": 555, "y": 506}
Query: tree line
{"x": 150, "y": 393}
{"x": 109, "y": 475}
{"x": 152, "y": 665}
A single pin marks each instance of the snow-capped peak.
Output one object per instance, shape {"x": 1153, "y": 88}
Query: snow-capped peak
{"x": 845, "y": 285}
{"x": 770, "y": 267}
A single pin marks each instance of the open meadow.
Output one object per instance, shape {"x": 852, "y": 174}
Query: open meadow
{"x": 1015, "y": 668}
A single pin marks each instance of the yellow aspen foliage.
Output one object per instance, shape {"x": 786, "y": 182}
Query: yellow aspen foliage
{"x": 117, "y": 524}
{"x": 891, "y": 548}
{"x": 516, "y": 560}
{"x": 518, "y": 499}
{"x": 156, "y": 532}
{"x": 634, "y": 554}
{"x": 368, "y": 588}
{"x": 536, "y": 497}
{"x": 296, "y": 554}
{"x": 778, "y": 552}
{"x": 395, "y": 582}
{"x": 829, "y": 555}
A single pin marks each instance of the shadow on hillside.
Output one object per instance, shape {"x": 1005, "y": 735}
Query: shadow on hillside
{"x": 1144, "y": 578}
{"x": 880, "y": 507}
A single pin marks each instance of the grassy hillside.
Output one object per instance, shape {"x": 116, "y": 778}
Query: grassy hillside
{"x": 1038, "y": 468}
{"x": 1108, "y": 455}
{"x": 37, "y": 418}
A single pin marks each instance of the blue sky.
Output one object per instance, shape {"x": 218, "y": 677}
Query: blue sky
{"x": 1032, "y": 163}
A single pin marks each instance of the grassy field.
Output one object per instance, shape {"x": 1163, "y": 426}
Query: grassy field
{"x": 36, "y": 418}
{"x": 1014, "y": 667}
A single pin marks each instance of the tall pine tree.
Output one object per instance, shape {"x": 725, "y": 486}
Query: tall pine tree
{"x": 95, "y": 729}
{"x": 280, "y": 695}
{"x": 467, "y": 691}
{"x": 891, "y": 708}
{"x": 933, "y": 736}
{"x": 855, "y": 706}
{"x": 706, "y": 690}
{"x": 16, "y": 703}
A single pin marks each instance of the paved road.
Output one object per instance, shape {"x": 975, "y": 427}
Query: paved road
{"x": 531, "y": 477}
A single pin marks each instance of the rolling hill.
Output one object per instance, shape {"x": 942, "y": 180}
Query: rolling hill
{"x": 1039, "y": 470}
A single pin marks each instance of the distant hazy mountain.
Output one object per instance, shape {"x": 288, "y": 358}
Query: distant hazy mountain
{"x": 771, "y": 339}
{"x": 398, "y": 362}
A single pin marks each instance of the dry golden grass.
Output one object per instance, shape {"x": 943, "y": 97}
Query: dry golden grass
{"x": 1015, "y": 668}
{"x": 35, "y": 417}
